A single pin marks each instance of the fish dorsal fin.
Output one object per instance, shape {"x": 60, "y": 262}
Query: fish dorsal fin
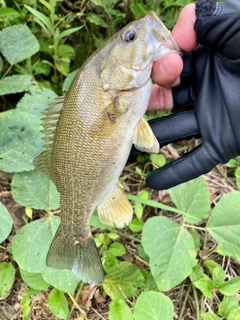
{"x": 144, "y": 139}
{"x": 116, "y": 209}
{"x": 50, "y": 118}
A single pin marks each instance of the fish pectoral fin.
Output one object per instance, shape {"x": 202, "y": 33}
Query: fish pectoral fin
{"x": 81, "y": 258}
{"x": 43, "y": 162}
{"x": 116, "y": 209}
{"x": 144, "y": 139}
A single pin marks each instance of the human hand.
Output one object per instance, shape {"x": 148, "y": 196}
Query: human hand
{"x": 210, "y": 80}
{"x": 166, "y": 71}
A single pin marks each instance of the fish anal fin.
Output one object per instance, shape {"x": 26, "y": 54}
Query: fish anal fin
{"x": 50, "y": 118}
{"x": 144, "y": 139}
{"x": 81, "y": 258}
{"x": 116, "y": 209}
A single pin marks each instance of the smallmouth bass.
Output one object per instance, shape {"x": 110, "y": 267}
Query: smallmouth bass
{"x": 89, "y": 135}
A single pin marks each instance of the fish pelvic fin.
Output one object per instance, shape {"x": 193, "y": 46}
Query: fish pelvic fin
{"x": 50, "y": 118}
{"x": 144, "y": 139}
{"x": 116, "y": 209}
{"x": 81, "y": 258}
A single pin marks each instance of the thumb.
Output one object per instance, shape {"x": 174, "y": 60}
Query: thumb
{"x": 189, "y": 166}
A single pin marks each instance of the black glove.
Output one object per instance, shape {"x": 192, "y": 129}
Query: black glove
{"x": 210, "y": 80}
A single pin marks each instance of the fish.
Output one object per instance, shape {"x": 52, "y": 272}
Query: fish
{"x": 88, "y": 136}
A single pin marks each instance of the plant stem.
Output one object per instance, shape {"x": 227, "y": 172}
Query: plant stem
{"x": 184, "y": 303}
{"x": 75, "y": 304}
{"x": 196, "y": 301}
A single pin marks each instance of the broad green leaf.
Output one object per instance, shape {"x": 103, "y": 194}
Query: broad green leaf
{"x": 153, "y": 306}
{"x": 67, "y": 82}
{"x": 117, "y": 249}
{"x": 218, "y": 274}
{"x": 31, "y": 244}
{"x": 138, "y": 209}
{"x": 63, "y": 280}
{"x": 40, "y": 17}
{"x": 20, "y": 140}
{"x": 17, "y": 43}
{"x": 231, "y": 287}
{"x": 5, "y": 223}
{"x": 34, "y": 280}
{"x": 197, "y": 274}
{"x": 171, "y": 251}
{"x": 15, "y": 83}
{"x": 35, "y": 190}
{"x": 234, "y": 314}
{"x": 58, "y": 304}
{"x": 119, "y": 310}
{"x": 209, "y": 316}
{"x": 7, "y": 276}
{"x": 193, "y": 198}
{"x": 109, "y": 260}
{"x": 205, "y": 285}
{"x": 1, "y": 64}
{"x": 123, "y": 280}
{"x": 227, "y": 304}
{"x": 224, "y": 223}
{"x": 36, "y": 102}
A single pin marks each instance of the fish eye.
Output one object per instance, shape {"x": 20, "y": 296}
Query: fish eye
{"x": 129, "y": 36}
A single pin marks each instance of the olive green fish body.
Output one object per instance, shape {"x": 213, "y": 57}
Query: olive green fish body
{"x": 95, "y": 126}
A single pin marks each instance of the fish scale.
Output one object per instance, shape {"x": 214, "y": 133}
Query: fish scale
{"x": 89, "y": 134}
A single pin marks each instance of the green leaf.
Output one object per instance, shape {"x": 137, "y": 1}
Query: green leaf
{"x": 158, "y": 159}
{"x": 20, "y": 140}
{"x": 205, "y": 285}
{"x": 197, "y": 274}
{"x": 152, "y": 306}
{"x": 109, "y": 260}
{"x": 34, "y": 280}
{"x": 58, "y": 304}
{"x": 224, "y": 223}
{"x": 171, "y": 251}
{"x": 7, "y": 12}
{"x": 234, "y": 314}
{"x": 68, "y": 32}
{"x": 40, "y": 17}
{"x": 35, "y": 190}
{"x": 226, "y": 305}
{"x": 123, "y": 280}
{"x": 231, "y": 287}
{"x": 30, "y": 247}
{"x": 209, "y": 316}
{"x": 193, "y": 198}
{"x": 97, "y": 20}
{"x": 15, "y": 83}
{"x": 218, "y": 274}
{"x": 5, "y": 223}
{"x": 117, "y": 249}
{"x": 136, "y": 225}
{"x": 7, "y": 276}
{"x": 138, "y": 209}
{"x": 119, "y": 310}
{"x": 63, "y": 280}
{"x": 1, "y": 64}
{"x": 36, "y": 102}
{"x": 31, "y": 243}
{"x": 17, "y": 43}
{"x": 67, "y": 82}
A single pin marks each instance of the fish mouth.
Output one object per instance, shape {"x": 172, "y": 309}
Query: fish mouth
{"x": 160, "y": 37}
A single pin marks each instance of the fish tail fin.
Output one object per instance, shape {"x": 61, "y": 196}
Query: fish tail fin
{"x": 81, "y": 258}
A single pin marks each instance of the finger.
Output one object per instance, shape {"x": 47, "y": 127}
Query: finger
{"x": 161, "y": 98}
{"x": 188, "y": 167}
{"x": 183, "y": 32}
{"x": 167, "y": 70}
{"x": 176, "y": 127}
